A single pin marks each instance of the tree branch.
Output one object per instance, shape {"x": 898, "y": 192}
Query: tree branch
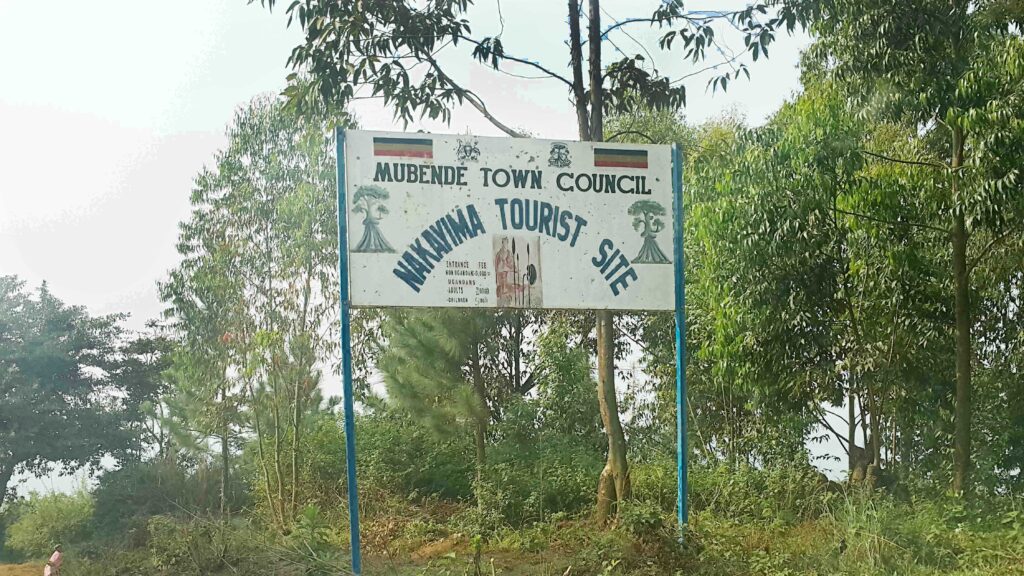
{"x": 579, "y": 101}
{"x": 988, "y": 248}
{"x": 524, "y": 61}
{"x": 631, "y": 37}
{"x": 890, "y": 222}
{"x": 902, "y": 161}
{"x": 528, "y": 383}
{"x": 632, "y": 338}
{"x": 474, "y": 101}
{"x": 620, "y": 23}
{"x": 727, "y": 62}
{"x": 692, "y": 17}
{"x": 844, "y": 442}
{"x": 627, "y": 133}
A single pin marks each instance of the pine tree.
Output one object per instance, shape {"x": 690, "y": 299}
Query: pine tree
{"x": 433, "y": 369}
{"x": 454, "y": 370}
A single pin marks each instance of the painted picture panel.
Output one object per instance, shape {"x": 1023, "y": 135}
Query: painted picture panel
{"x": 466, "y": 221}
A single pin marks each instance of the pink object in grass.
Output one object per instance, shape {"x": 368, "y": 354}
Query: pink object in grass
{"x": 53, "y": 565}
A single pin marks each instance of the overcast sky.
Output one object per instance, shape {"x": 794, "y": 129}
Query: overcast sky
{"x": 109, "y": 108}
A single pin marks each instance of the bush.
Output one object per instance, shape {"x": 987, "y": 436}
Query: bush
{"x": 10, "y": 513}
{"x": 49, "y": 520}
{"x": 525, "y": 484}
{"x": 774, "y": 495}
{"x": 310, "y": 544}
{"x": 643, "y": 520}
{"x": 397, "y": 454}
{"x": 126, "y": 498}
{"x": 655, "y": 483}
{"x": 198, "y": 547}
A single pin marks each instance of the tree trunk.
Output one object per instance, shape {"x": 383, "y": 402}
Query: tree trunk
{"x": 962, "y": 408}
{"x": 6, "y": 472}
{"x": 892, "y": 441}
{"x": 596, "y": 79}
{"x": 480, "y": 437}
{"x": 864, "y": 423}
{"x": 225, "y": 456}
{"x": 614, "y": 483}
{"x": 614, "y": 480}
{"x": 276, "y": 413}
{"x": 852, "y": 427}
{"x": 301, "y": 388}
{"x": 874, "y": 443}
{"x": 261, "y": 456}
{"x": 576, "y": 59}
{"x": 296, "y": 433}
{"x": 480, "y": 428}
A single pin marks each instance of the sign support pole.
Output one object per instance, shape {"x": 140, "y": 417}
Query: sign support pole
{"x": 346, "y": 360}
{"x": 682, "y": 450}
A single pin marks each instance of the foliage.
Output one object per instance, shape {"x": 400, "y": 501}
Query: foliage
{"x": 379, "y": 45}
{"x": 253, "y": 297}
{"x": 641, "y": 519}
{"x": 365, "y": 38}
{"x": 60, "y": 365}
{"x": 126, "y": 498}
{"x": 856, "y": 257}
{"x": 433, "y": 365}
{"x": 398, "y": 455}
{"x": 526, "y": 483}
{"x": 950, "y": 74}
{"x": 310, "y": 543}
{"x": 46, "y": 521}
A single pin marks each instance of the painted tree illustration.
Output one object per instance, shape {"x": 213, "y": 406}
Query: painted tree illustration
{"x": 370, "y": 201}
{"x": 645, "y": 213}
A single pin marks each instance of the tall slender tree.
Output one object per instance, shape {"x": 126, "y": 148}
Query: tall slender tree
{"x": 254, "y": 295}
{"x": 952, "y": 69}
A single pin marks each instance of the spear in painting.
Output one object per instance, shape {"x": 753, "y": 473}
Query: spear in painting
{"x": 529, "y": 285}
{"x": 515, "y": 272}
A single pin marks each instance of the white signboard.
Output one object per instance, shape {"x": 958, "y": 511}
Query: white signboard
{"x": 467, "y": 221}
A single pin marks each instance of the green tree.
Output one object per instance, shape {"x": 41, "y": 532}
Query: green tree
{"x": 452, "y": 368}
{"x": 952, "y": 70}
{"x": 254, "y": 296}
{"x": 433, "y": 368}
{"x": 144, "y": 361}
{"x": 203, "y": 310}
{"x": 57, "y": 391}
{"x": 49, "y": 520}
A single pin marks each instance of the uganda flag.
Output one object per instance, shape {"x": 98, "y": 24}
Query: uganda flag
{"x": 619, "y": 158}
{"x": 407, "y": 147}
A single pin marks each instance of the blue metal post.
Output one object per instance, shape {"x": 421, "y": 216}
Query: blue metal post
{"x": 346, "y": 360}
{"x": 682, "y": 451}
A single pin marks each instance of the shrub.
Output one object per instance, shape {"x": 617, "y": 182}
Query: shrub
{"x": 530, "y": 482}
{"x": 397, "y": 454}
{"x": 309, "y": 544}
{"x": 773, "y": 495}
{"x": 643, "y": 520}
{"x": 655, "y": 483}
{"x": 9, "y": 514}
{"x": 49, "y": 520}
{"x": 126, "y": 498}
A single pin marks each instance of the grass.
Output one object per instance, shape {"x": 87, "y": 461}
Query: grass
{"x": 845, "y": 534}
{"x": 21, "y": 569}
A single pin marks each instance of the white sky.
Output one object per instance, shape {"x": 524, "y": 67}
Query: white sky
{"x": 109, "y": 108}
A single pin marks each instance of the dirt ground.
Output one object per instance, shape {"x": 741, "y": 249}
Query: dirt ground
{"x": 20, "y": 570}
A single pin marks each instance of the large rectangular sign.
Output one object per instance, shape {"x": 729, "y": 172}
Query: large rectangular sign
{"x": 467, "y": 221}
